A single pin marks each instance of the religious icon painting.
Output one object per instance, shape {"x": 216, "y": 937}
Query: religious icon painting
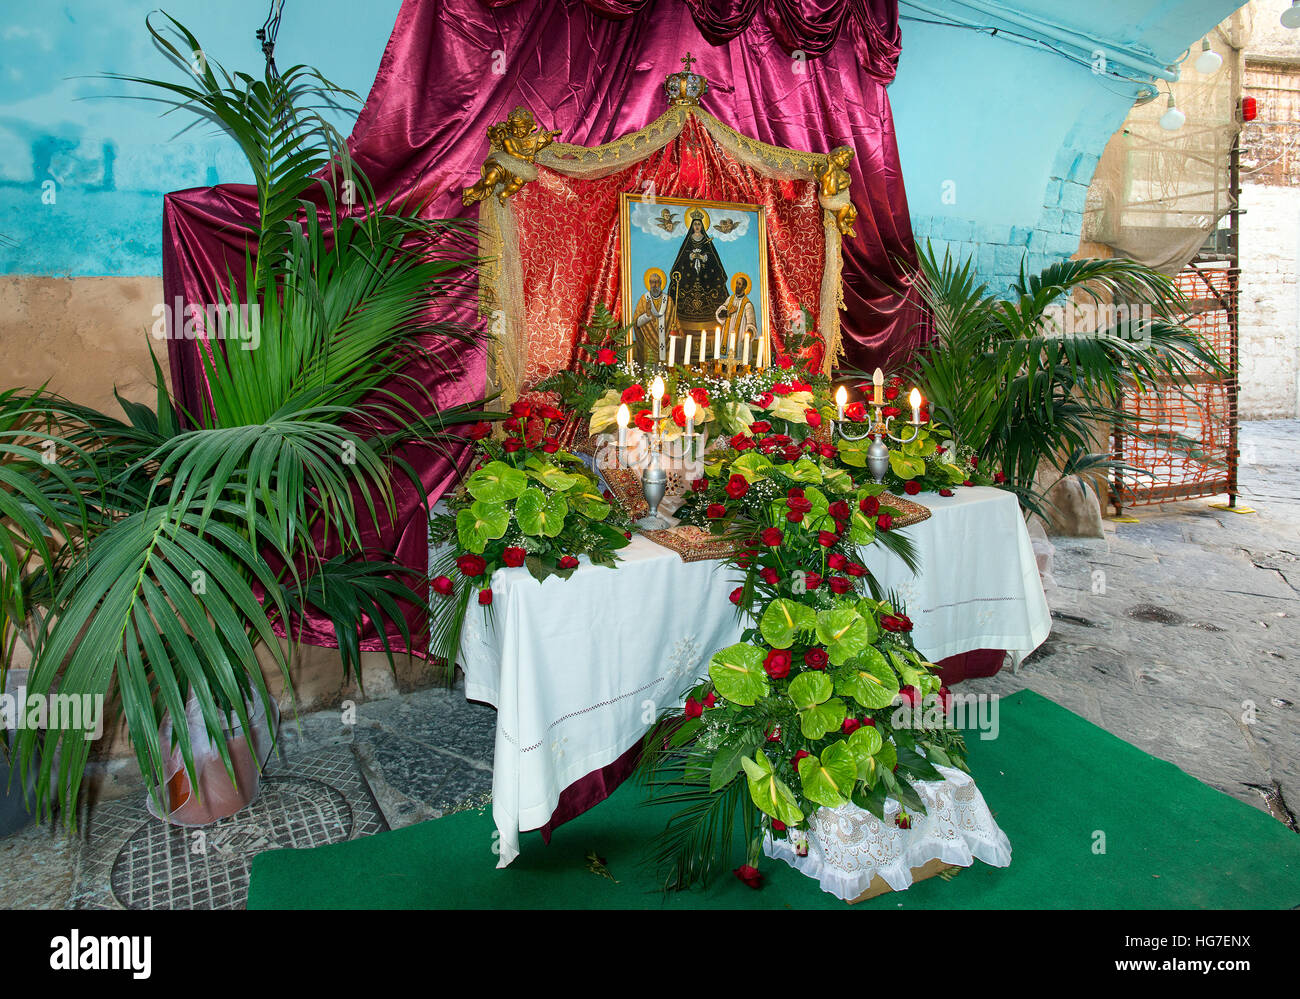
{"x": 694, "y": 278}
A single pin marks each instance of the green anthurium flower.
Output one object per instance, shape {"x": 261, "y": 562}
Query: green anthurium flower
{"x": 496, "y": 482}
{"x": 828, "y": 779}
{"x": 783, "y": 619}
{"x": 737, "y": 673}
{"x": 480, "y": 523}
{"x": 769, "y": 793}
{"x": 539, "y": 514}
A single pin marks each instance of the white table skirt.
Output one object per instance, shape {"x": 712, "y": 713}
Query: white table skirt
{"x": 578, "y": 669}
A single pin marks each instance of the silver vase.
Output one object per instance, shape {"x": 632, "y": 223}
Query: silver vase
{"x": 878, "y": 459}
{"x": 654, "y": 483}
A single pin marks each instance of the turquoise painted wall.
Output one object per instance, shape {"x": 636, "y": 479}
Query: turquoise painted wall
{"x": 998, "y": 140}
{"x": 109, "y": 162}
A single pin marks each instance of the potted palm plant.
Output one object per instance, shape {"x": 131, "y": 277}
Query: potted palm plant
{"x": 157, "y": 552}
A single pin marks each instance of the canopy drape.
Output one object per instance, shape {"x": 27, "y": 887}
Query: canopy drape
{"x": 798, "y": 75}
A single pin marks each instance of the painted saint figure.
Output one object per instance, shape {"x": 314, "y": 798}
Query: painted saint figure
{"x": 699, "y": 281}
{"x": 654, "y": 321}
{"x": 736, "y": 315}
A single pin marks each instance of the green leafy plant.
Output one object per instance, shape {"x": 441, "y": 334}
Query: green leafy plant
{"x": 1025, "y": 396}
{"x": 151, "y": 558}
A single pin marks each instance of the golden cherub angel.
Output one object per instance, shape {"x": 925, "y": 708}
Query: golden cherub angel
{"x": 667, "y": 221}
{"x": 515, "y": 144}
{"x": 834, "y": 180}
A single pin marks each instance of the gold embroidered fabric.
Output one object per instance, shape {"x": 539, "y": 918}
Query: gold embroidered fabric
{"x": 911, "y": 513}
{"x": 693, "y": 544}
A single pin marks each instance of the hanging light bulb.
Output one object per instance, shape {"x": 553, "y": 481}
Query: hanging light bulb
{"x": 1173, "y": 119}
{"x": 1208, "y": 61}
{"x": 1291, "y": 16}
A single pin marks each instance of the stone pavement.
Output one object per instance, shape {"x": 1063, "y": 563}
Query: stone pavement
{"x": 1179, "y": 634}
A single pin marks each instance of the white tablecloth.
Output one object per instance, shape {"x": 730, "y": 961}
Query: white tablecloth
{"x": 578, "y": 669}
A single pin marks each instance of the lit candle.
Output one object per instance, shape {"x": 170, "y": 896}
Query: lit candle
{"x": 841, "y": 398}
{"x": 688, "y": 407}
{"x": 746, "y": 361}
{"x": 657, "y": 390}
{"x": 688, "y": 350}
{"x": 672, "y": 351}
{"x": 717, "y": 343}
{"x": 878, "y": 380}
{"x": 623, "y": 417}
{"x": 731, "y": 345}
{"x": 915, "y": 400}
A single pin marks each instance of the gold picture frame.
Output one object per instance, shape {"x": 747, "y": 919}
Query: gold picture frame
{"x": 710, "y": 262}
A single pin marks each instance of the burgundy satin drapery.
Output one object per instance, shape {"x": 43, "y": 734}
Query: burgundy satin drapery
{"x": 595, "y": 70}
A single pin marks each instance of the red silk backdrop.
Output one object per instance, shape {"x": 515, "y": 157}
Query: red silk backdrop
{"x": 569, "y": 239}
{"x": 594, "y": 70}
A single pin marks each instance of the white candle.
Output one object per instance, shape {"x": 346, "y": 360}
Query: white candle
{"x": 688, "y": 350}
{"x": 841, "y": 397}
{"x": 623, "y": 417}
{"x": 704, "y": 345}
{"x": 731, "y": 345}
{"x": 672, "y": 351}
{"x": 915, "y": 399}
{"x": 688, "y": 407}
{"x": 746, "y": 361}
{"x": 878, "y": 380}
{"x": 657, "y": 390}
{"x": 717, "y": 343}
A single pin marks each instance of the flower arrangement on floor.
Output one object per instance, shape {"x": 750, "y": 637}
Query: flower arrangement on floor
{"x": 536, "y": 507}
{"x": 797, "y": 715}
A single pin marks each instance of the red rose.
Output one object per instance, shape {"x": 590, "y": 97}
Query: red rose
{"x": 812, "y": 580}
{"x": 679, "y": 415}
{"x": 799, "y": 385}
{"x": 520, "y": 410}
{"x": 836, "y": 561}
{"x": 869, "y": 721}
{"x": 891, "y": 412}
{"x": 791, "y": 452}
{"x": 891, "y": 393}
{"x": 764, "y": 400}
{"x": 693, "y": 708}
{"x": 550, "y": 445}
{"x": 768, "y": 444}
{"x": 855, "y": 570}
{"x": 840, "y": 510}
{"x": 443, "y": 586}
{"x": 826, "y": 539}
{"x": 910, "y": 696}
{"x": 912, "y": 487}
{"x": 827, "y": 451}
{"x": 633, "y": 393}
{"x": 741, "y": 442}
{"x": 471, "y": 565}
{"x": 903, "y": 820}
{"x": 700, "y": 395}
{"x": 775, "y": 734}
{"x": 940, "y": 449}
{"x": 816, "y": 658}
{"x": 606, "y": 356}
{"x": 968, "y": 482}
{"x": 796, "y": 492}
{"x": 485, "y": 596}
{"x": 511, "y": 424}
{"x": 749, "y": 875}
{"x": 716, "y": 511}
{"x": 568, "y": 562}
{"x": 795, "y": 516}
{"x": 777, "y": 664}
{"x": 813, "y": 417}
{"x": 856, "y": 412}
{"x": 999, "y": 477}
{"x": 884, "y": 522}
{"x": 850, "y": 726}
{"x": 737, "y": 486}
{"x": 710, "y": 699}
{"x": 945, "y": 699}
{"x": 644, "y": 421}
{"x": 770, "y": 576}
{"x": 799, "y": 756}
{"x": 760, "y": 427}
{"x": 511, "y": 444}
{"x": 699, "y": 485}
{"x": 869, "y": 505}
{"x": 896, "y": 622}
{"x": 479, "y": 430}
{"x": 784, "y": 361}
{"x": 778, "y": 825}
{"x": 781, "y": 388}
{"x": 975, "y": 461}
{"x": 945, "y": 492}
{"x": 736, "y": 594}
{"x": 799, "y": 503}
{"x": 514, "y": 557}
{"x": 746, "y": 558}
{"x": 771, "y": 536}
{"x": 839, "y": 585}
{"x": 549, "y": 412}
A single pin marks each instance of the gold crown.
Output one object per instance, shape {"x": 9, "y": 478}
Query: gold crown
{"x": 686, "y": 87}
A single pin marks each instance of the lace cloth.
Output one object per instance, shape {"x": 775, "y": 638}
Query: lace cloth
{"x": 848, "y": 846}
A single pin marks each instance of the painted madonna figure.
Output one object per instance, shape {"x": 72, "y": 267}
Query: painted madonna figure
{"x": 699, "y": 281}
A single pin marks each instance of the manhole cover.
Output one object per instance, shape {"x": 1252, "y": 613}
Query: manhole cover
{"x": 162, "y": 866}
{"x": 1153, "y": 614}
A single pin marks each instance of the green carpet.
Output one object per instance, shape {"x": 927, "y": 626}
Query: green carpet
{"x": 1052, "y": 779}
